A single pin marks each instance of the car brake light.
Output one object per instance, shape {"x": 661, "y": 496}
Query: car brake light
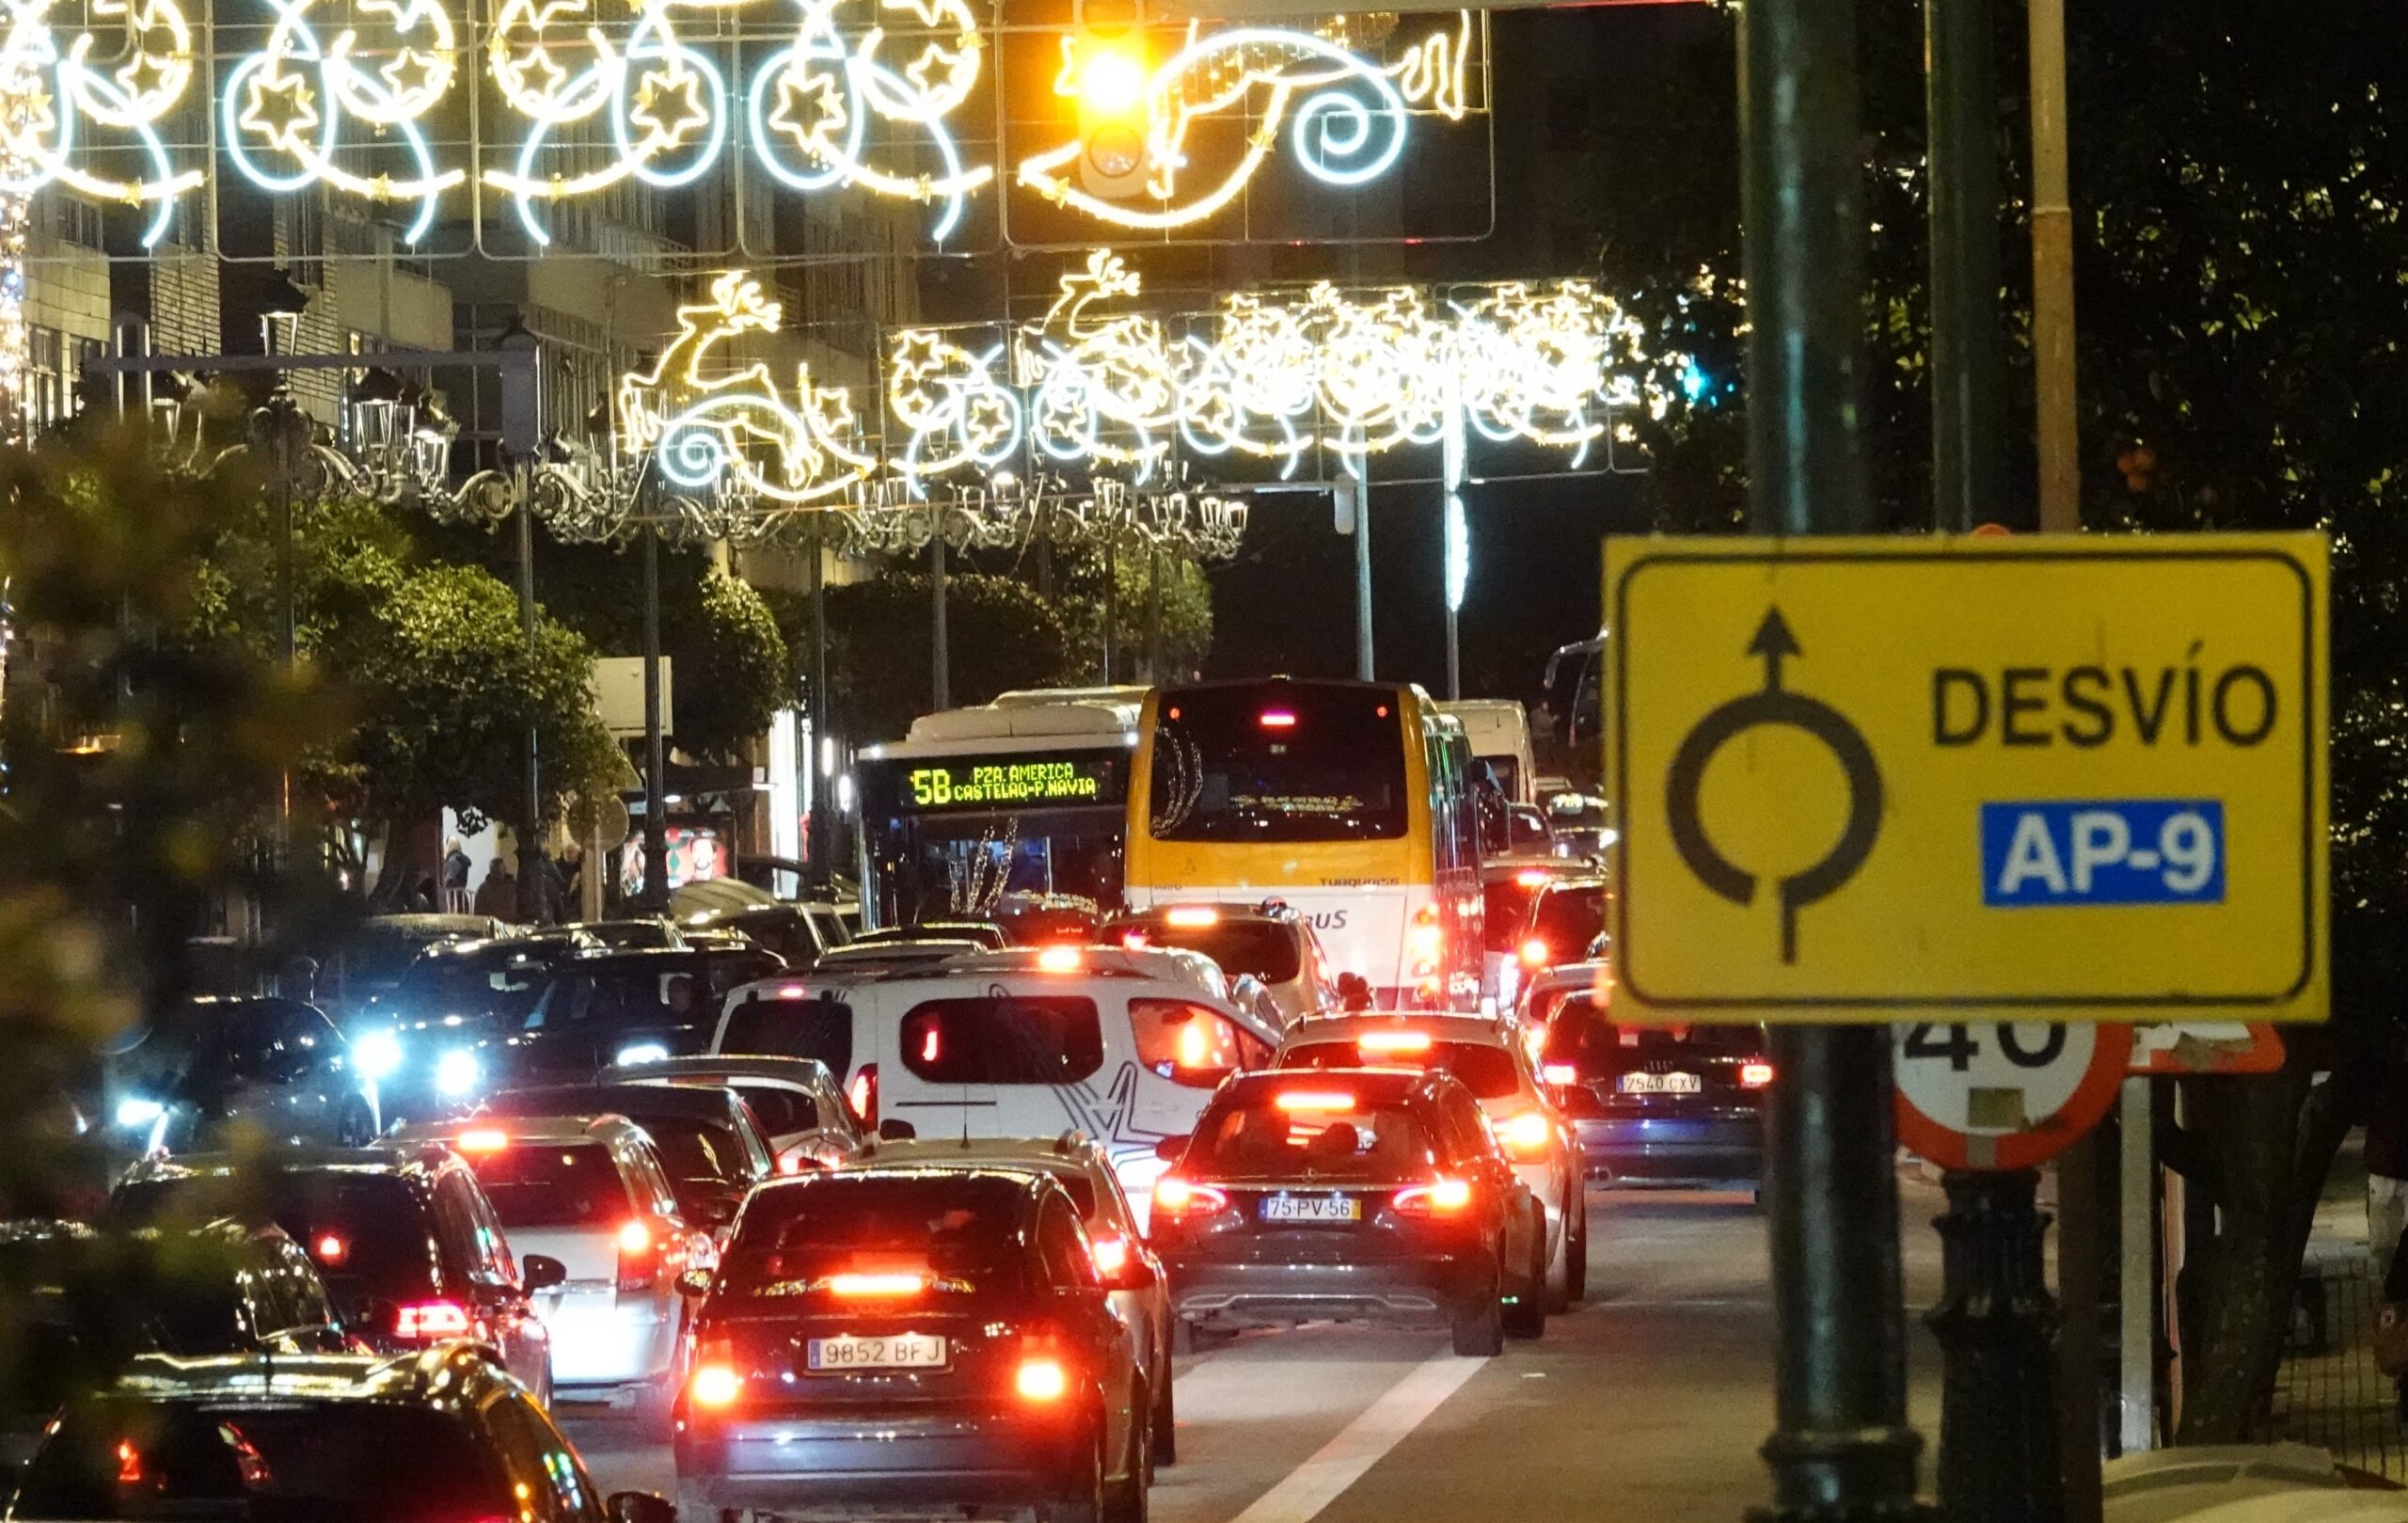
{"x": 793, "y": 991}
{"x": 1394, "y": 1041}
{"x": 1755, "y": 1076}
{"x": 1315, "y": 1099}
{"x": 1133, "y": 940}
{"x": 1534, "y": 953}
{"x": 1278, "y": 719}
{"x": 129, "y": 1463}
{"x": 431, "y": 1320}
{"x": 867, "y": 1287}
{"x": 864, "y": 1095}
{"x": 714, "y": 1385}
{"x": 639, "y": 1256}
{"x": 1111, "y": 1253}
{"x": 1176, "y": 1197}
{"x": 1442, "y": 1196}
{"x": 1041, "y": 1379}
{"x": 1192, "y": 916}
{"x": 483, "y": 1139}
{"x": 331, "y": 1248}
{"x": 1524, "y": 1133}
{"x": 1058, "y": 959}
{"x": 931, "y": 1044}
{"x": 1531, "y": 877}
{"x": 1560, "y": 1073}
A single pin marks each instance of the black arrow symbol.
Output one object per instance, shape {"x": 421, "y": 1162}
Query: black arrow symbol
{"x": 1773, "y": 642}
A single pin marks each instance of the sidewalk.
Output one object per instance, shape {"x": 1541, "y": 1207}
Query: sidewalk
{"x": 2327, "y": 1391}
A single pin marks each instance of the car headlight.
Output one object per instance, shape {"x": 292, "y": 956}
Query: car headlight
{"x": 643, "y": 1052}
{"x": 378, "y": 1054}
{"x": 457, "y": 1072}
{"x": 138, "y": 1111}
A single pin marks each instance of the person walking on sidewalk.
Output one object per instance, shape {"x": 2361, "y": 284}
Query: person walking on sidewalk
{"x": 2388, "y": 1162}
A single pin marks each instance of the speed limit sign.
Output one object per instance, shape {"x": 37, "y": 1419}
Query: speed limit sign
{"x": 2004, "y": 1094}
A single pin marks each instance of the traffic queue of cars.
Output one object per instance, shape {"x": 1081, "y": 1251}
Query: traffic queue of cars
{"x": 918, "y": 1226}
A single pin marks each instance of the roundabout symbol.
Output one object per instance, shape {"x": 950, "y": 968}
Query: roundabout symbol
{"x": 1775, "y": 704}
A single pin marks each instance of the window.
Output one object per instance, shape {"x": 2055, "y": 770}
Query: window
{"x": 456, "y": 1223}
{"x": 494, "y": 1265}
{"x": 820, "y": 1028}
{"x": 962, "y": 1228}
{"x": 1278, "y": 763}
{"x": 1003, "y": 1039}
{"x": 1486, "y": 1070}
{"x": 1350, "y": 1138}
{"x": 551, "y": 1481}
{"x": 1191, "y": 1044}
{"x": 1265, "y": 948}
{"x": 780, "y": 1112}
{"x": 369, "y": 1234}
{"x": 649, "y": 1176}
{"x": 553, "y": 1184}
{"x": 1467, "y": 1133}
{"x": 1062, "y": 1246}
{"x": 1569, "y": 917}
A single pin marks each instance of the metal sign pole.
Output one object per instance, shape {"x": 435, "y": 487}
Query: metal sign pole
{"x": 1841, "y": 1448}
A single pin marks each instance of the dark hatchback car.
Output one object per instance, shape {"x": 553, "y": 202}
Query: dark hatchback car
{"x": 709, "y": 1140}
{"x": 607, "y": 1008}
{"x": 1566, "y": 918}
{"x": 82, "y": 1300}
{"x": 441, "y": 1437}
{"x": 404, "y": 1236}
{"x": 215, "y": 1069}
{"x": 1660, "y": 1105}
{"x": 1371, "y": 1195}
{"x": 903, "y": 1339}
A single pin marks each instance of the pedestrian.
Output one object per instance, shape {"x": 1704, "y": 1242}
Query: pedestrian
{"x": 455, "y": 876}
{"x": 498, "y": 896}
{"x": 2386, "y": 1160}
{"x": 567, "y": 873}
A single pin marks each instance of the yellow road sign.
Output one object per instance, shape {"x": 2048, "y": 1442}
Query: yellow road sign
{"x": 2070, "y": 776}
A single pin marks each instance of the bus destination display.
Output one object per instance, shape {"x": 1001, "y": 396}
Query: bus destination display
{"x": 1004, "y": 783}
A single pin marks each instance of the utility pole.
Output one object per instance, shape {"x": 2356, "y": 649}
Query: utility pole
{"x": 656, "y": 764}
{"x": 1841, "y": 1450}
{"x": 823, "y": 726}
{"x": 2052, "y": 359}
{"x": 940, "y": 659}
{"x": 1967, "y": 420}
{"x": 522, "y": 428}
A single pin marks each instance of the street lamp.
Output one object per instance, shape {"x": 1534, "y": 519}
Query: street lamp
{"x": 282, "y": 302}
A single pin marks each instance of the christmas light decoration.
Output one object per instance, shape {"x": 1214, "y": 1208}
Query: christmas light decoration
{"x": 732, "y": 432}
{"x": 1345, "y": 117}
{"x": 120, "y": 77}
{"x": 284, "y": 107}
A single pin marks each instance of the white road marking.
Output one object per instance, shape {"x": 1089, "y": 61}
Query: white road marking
{"x": 1301, "y": 1495}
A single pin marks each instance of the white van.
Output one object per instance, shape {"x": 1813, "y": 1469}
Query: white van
{"x": 1499, "y": 733}
{"x": 1015, "y": 1044}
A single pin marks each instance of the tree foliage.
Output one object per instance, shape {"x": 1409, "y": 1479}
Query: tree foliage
{"x": 999, "y": 633}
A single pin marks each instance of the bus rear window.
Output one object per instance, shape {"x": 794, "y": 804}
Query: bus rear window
{"x": 1284, "y": 762}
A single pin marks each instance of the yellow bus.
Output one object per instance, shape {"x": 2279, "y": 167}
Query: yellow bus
{"x": 1349, "y": 801}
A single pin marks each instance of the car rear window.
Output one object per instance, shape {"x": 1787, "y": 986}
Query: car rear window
{"x": 1258, "y": 764}
{"x": 1579, "y": 1033}
{"x": 780, "y": 1111}
{"x": 1338, "y": 1135}
{"x": 696, "y": 1151}
{"x": 1508, "y": 908}
{"x": 1263, "y": 948}
{"x": 958, "y": 1231}
{"x": 1487, "y": 1071}
{"x": 778, "y": 1027}
{"x": 534, "y": 1184}
{"x": 1568, "y": 918}
{"x": 1003, "y": 1039}
{"x": 370, "y": 1235}
{"x": 500, "y": 980}
{"x": 262, "y": 1463}
{"x": 1190, "y": 1044}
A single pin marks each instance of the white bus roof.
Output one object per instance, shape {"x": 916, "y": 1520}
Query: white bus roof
{"x": 1075, "y": 720}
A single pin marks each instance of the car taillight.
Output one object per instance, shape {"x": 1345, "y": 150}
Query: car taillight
{"x": 1755, "y": 1076}
{"x": 1525, "y": 1133}
{"x": 1041, "y": 1378}
{"x": 1442, "y": 1196}
{"x": 876, "y": 1286}
{"x": 1560, "y": 1073}
{"x": 1110, "y": 1251}
{"x": 1175, "y": 1197}
{"x": 639, "y": 1256}
{"x": 429, "y": 1320}
{"x": 129, "y": 1463}
{"x": 716, "y": 1382}
{"x": 1534, "y": 953}
{"x": 864, "y": 1095}
{"x": 1426, "y": 942}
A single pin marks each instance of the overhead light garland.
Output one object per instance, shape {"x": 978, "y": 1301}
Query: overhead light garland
{"x": 67, "y": 94}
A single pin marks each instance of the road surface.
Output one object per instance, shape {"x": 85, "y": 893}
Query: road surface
{"x": 1655, "y": 1392}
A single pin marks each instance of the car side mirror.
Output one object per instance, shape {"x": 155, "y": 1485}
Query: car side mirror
{"x": 1353, "y": 991}
{"x": 694, "y": 1284}
{"x": 541, "y": 1271}
{"x": 641, "y": 1507}
{"x": 1171, "y": 1150}
{"x": 1135, "y": 1273}
{"x": 892, "y": 1129}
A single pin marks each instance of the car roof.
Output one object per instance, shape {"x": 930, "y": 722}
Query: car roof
{"x": 1072, "y": 1150}
{"x": 713, "y": 1104}
{"x": 403, "y": 1158}
{"x": 457, "y": 1372}
{"x": 602, "y": 1125}
{"x": 1476, "y": 1029}
{"x": 1382, "y": 1084}
{"x": 1029, "y": 1182}
{"x": 802, "y": 1071}
{"x": 1107, "y": 971}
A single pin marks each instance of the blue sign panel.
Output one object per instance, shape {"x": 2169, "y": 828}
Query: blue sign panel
{"x": 2081, "y": 851}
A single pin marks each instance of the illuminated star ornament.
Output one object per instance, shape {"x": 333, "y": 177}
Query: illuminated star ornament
{"x": 60, "y": 99}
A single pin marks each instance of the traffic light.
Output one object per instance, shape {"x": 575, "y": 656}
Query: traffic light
{"x": 1104, "y": 69}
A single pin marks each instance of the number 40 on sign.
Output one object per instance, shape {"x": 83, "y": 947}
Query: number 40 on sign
{"x": 2006, "y": 1094}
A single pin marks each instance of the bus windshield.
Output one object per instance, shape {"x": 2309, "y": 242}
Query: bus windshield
{"x": 1280, "y": 762}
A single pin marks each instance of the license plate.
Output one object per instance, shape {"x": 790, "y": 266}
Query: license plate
{"x": 901, "y": 1351}
{"x": 1313, "y": 1208}
{"x": 1662, "y": 1083}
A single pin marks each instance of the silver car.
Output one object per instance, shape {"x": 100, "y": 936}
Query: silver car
{"x": 796, "y": 1100}
{"x": 1132, "y": 1277}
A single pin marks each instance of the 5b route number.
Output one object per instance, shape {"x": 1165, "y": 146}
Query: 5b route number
{"x": 1958, "y": 1045}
